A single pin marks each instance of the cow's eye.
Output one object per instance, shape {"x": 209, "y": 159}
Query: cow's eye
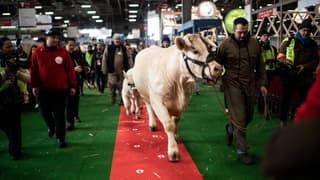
{"x": 195, "y": 51}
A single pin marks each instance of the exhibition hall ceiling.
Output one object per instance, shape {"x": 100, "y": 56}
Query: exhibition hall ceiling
{"x": 112, "y": 13}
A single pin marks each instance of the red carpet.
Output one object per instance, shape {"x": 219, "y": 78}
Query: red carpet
{"x": 141, "y": 154}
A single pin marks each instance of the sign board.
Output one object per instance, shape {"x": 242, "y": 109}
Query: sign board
{"x": 5, "y": 22}
{"x": 267, "y": 13}
{"x": 307, "y": 3}
{"x": 27, "y": 17}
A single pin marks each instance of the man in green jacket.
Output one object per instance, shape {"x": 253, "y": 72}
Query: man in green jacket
{"x": 241, "y": 57}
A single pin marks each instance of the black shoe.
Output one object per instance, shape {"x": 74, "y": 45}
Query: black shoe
{"x": 229, "y": 136}
{"x": 17, "y": 156}
{"x": 50, "y": 132}
{"x": 61, "y": 143}
{"x": 113, "y": 100}
{"x": 246, "y": 159}
{"x": 70, "y": 127}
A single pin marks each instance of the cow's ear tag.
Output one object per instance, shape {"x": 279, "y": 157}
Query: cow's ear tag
{"x": 180, "y": 43}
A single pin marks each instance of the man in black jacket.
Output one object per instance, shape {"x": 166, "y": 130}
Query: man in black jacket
{"x": 115, "y": 61}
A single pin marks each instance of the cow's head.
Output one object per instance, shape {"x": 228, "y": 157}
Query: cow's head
{"x": 199, "y": 56}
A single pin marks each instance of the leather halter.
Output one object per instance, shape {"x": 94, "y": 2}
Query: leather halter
{"x": 204, "y": 65}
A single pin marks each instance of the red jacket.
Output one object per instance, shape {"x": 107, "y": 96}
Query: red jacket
{"x": 52, "y": 69}
{"x": 310, "y": 109}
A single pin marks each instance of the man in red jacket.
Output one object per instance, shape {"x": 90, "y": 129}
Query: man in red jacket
{"x": 52, "y": 75}
{"x": 310, "y": 108}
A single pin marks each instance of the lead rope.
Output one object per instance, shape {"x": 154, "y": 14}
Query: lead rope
{"x": 227, "y": 114}
{"x": 267, "y": 114}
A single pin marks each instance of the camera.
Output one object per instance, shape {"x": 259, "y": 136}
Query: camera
{"x": 12, "y": 60}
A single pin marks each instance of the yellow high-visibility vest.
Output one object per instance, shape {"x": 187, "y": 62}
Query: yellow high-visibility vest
{"x": 290, "y": 49}
{"x": 268, "y": 55}
{"x": 3, "y": 86}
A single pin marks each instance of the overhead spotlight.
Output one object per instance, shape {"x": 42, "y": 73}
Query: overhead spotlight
{"x": 99, "y": 20}
{"x": 133, "y": 5}
{"x": 85, "y": 6}
{"x": 178, "y": 5}
{"x": 38, "y": 7}
{"x": 91, "y": 12}
{"x": 132, "y": 20}
{"x": 132, "y": 16}
{"x": 133, "y": 11}
{"x": 48, "y": 13}
{"x": 57, "y": 17}
{"x": 66, "y": 21}
{"x": 95, "y": 17}
{"x": 6, "y": 14}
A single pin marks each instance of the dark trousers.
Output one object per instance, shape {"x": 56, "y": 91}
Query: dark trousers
{"x": 10, "y": 123}
{"x": 91, "y": 77}
{"x": 73, "y": 106}
{"x": 290, "y": 86}
{"x": 52, "y": 108}
{"x": 101, "y": 81}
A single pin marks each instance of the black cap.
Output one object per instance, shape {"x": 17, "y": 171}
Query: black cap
{"x": 306, "y": 24}
{"x": 262, "y": 32}
{"x": 165, "y": 38}
{"x": 52, "y": 32}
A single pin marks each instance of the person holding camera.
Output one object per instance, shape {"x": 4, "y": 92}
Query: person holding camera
{"x": 53, "y": 77}
{"x": 10, "y": 98}
{"x": 298, "y": 61}
{"x": 269, "y": 56}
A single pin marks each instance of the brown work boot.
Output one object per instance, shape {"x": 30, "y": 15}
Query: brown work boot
{"x": 246, "y": 159}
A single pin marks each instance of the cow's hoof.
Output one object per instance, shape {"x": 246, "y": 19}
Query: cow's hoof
{"x": 174, "y": 157}
{"x": 153, "y": 129}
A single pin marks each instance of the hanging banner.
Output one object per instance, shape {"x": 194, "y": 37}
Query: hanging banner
{"x": 307, "y": 3}
{"x": 27, "y": 17}
{"x": 267, "y": 13}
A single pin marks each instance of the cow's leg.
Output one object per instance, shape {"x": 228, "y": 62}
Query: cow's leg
{"x": 152, "y": 121}
{"x": 126, "y": 103}
{"x": 132, "y": 110}
{"x": 176, "y": 134}
{"x": 169, "y": 126}
{"x": 137, "y": 108}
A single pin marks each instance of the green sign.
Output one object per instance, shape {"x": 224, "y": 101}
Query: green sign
{"x": 231, "y": 16}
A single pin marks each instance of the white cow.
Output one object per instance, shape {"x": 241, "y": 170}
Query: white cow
{"x": 130, "y": 95}
{"x": 165, "y": 78}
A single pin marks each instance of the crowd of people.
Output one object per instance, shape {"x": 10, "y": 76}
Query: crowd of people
{"x": 54, "y": 81}
{"x": 57, "y": 76}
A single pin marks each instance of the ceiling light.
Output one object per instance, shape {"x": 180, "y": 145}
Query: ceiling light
{"x": 38, "y": 7}
{"x": 48, "y": 13}
{"x": 7, "y": 27}
{"x": 133, "y": 5}
{"x": 6, "y": 14}
{"x": 178, "y": 5}
{"x": 99, "y": 20}
{"x": 132, "y": 16}
{"x": 66, "y": 21}
{"x": 57, "y": 17}
{"x": 86, "y": 6}
{"x": 132, "y": 20}
{"x": 95, "y": 17}
{"x": 269, "y": 5}
{"x": 133, "y": 11}
{"x": 91, "y": 12}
